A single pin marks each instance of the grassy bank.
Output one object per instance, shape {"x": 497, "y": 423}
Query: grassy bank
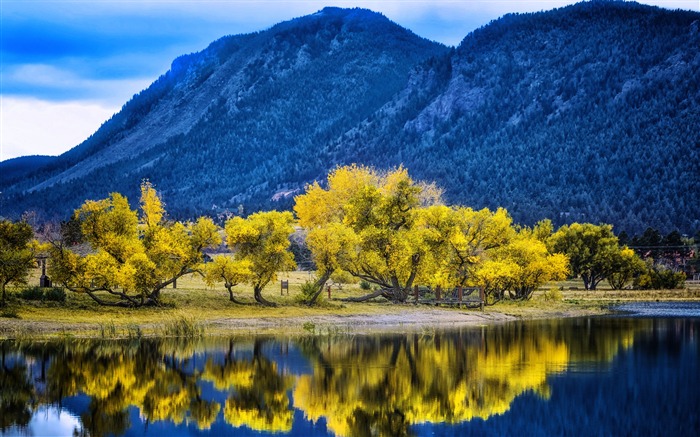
{"x": 194, "y": 309}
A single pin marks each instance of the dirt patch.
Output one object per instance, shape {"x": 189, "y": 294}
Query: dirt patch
{"x": 409, "y": 319}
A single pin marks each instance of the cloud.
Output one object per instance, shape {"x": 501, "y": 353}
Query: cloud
{"x": 50, "y": 82}
{"x": 38, "y": 127}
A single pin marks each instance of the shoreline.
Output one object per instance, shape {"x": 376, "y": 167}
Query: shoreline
{"x": 394, "y": 319}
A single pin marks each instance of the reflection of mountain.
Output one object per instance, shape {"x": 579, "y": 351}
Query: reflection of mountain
{"x": 386, "y": 385}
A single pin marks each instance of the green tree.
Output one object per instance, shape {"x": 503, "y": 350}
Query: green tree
{"x": 590, "y": 248}
{"x": 625, "y": 265}
{"x": 263, "y": 240}
{"x": 17, "y": 254}
{"x": 130, "y": 259}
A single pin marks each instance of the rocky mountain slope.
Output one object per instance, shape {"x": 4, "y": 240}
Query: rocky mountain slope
{"x": 587, "y": 112}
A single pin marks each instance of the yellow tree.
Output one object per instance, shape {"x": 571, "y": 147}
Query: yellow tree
{"x": 460, "y": 239}
{"x": 262, "y": 240}
{"x": 228, "y": 270}
{"x": 624, "y": 266}
{"x": 331, "y": 246}
{"x": 130, "y": 259}
{"x": 521, "y": 266}
{"x": 257, "y": 391}
{"x": 380, "y": 209}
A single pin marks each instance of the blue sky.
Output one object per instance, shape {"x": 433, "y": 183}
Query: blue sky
{"x": 68, "y": 65}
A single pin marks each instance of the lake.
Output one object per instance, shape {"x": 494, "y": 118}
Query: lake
{"x": 636, "y": 373}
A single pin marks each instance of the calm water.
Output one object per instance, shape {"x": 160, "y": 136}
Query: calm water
{"x": 594, "y": 376}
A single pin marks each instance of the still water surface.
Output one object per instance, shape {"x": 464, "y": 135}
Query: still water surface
{"x": 590, "y": 376}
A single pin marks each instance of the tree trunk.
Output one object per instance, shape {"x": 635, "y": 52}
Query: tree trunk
{"x": 586, "y": 281}
{"x": 231, "y": 297}
{"x": 257, "y": 293}
{"x": 319, "y": 285}
{"x": 365, "y": 297}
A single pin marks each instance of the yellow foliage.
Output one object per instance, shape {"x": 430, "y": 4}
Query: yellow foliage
{"x": 228, "y": 270}
{"x": 520, "y": 267}
{"x": 152, "y": 210}
{"x": 138, "y": 258}
{"x": 263, "y": 240}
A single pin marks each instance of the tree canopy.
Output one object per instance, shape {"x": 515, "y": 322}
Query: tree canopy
{"x": 262, "y": 240}
{"x": 17, "y": 253}
{"x": 130, "y": 259}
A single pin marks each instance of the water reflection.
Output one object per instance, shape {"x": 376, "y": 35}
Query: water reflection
{"x": 347, "y": 386}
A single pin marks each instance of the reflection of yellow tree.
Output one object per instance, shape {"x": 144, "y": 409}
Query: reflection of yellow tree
{"x": 369, "y": 386}
{"x": 258, "y": 397}
{"x": 117, "y": 376}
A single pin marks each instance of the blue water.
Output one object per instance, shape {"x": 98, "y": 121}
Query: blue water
{"x": 634, "y": 374}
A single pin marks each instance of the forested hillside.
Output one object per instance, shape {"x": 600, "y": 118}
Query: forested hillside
{"x": 588, "y": 113}
{"x": 585, "y": 113}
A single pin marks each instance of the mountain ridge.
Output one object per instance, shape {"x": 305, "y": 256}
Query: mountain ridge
{"x": 560, "y": 114}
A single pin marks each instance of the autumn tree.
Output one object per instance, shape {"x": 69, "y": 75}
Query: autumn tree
{"x": 460, "y": 239}
{"x": 228, "y": 270}
{"x": 520, "y": 267}
{"x": 257, "y": 391}
{"x": 384, "y": 386}
{"x": 624, "y": 266}
{"x": 381, "y": 210}
{"x": 332, "y": 246}
{"x": 262, "y": 239}
{"x": 17, "y": 254}
{"x": 130, "y": 259}
{"x": 590, "y": 248}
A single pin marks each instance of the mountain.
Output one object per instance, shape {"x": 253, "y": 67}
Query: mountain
{"x": 587, "y": 112}
{"x": 239, "y": 121}
{"x": 584, "y": 113}
{"x": 13, "y": 170}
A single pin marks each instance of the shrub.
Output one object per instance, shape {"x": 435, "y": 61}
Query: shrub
{"x": 9, "y": 313}
{"x": 307, "y": 290}
{"x": 659, "y": 279}
{"x": 32, "y": 293}
{"x": 553, "y": 295}
{"x": 365, "y": 285}
{"x": 55, "y": 294}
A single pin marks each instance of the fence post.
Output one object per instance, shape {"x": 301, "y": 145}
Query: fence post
{"x": 415, "y": 293}
{"x": 438, "y": 298}
{"x": 329, "y": 292}
{"x": 459, "y": 295}
{"x": 481, "y": 297}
